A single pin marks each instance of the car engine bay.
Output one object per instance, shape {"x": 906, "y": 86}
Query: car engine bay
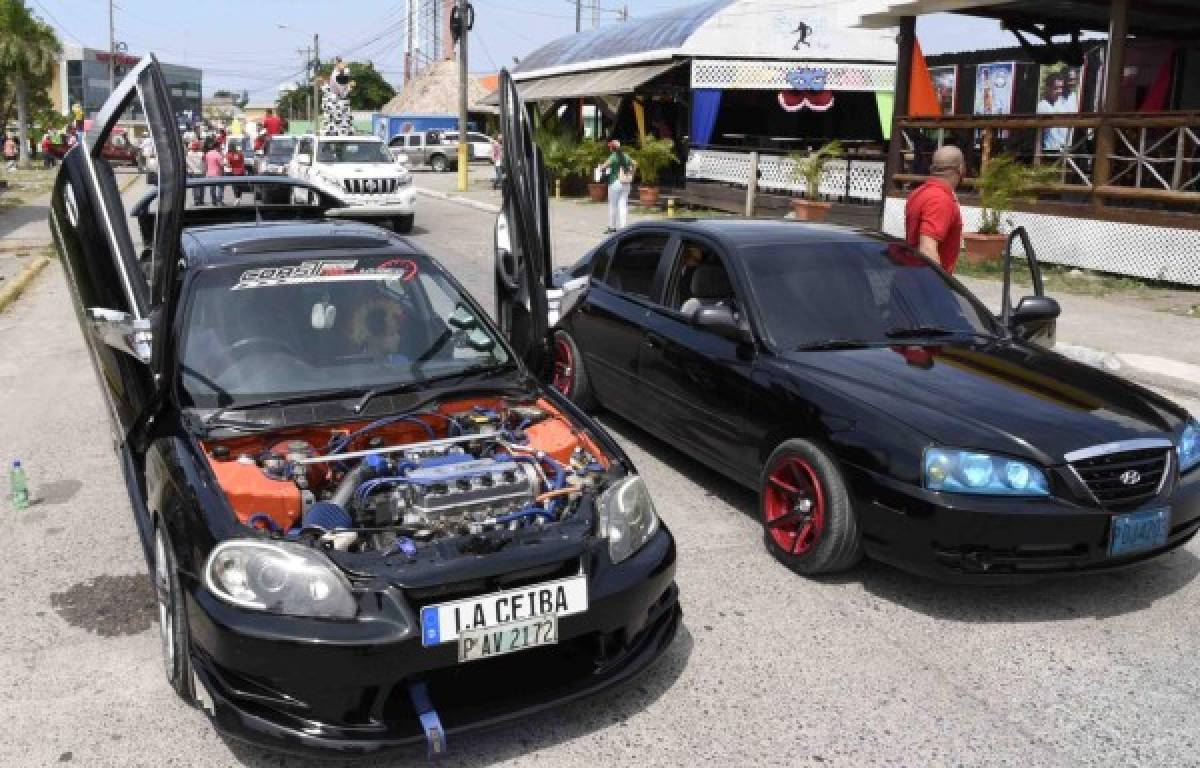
{"x": 466, "y": 469}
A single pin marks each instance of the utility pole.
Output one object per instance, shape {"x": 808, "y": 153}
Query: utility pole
{"x": 624, "y": 13}
{"x": 316, "y": 94}
{"x": 578, "y": 16}
{"x": 464, "y": 24}
{"x": 112, "y": 50}
{"x": 307, "y": 103}
{"x": 408, "y": 52}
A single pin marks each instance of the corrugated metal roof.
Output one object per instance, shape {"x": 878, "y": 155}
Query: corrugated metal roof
{"x": 607, "y": 82}
{"x": 666, "y": 31}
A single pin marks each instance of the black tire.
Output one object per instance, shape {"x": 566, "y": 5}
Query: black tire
{"x": 826, "y": 533}
{"x": 438, "y": 163}
{"x": 403, "y": 224}
{"x": 174, "y": 635}
{"x": 572, "y": 383}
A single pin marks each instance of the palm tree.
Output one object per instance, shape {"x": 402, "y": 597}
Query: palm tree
{"x": 29, "y": 48}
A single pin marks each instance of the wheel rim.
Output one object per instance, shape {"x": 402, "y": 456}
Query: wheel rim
{"x": 564, "y": 367}
{"x": 794, "y": 505}
{"x": 166, "y": 602}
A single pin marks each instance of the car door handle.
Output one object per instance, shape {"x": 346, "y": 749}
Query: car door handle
{"x": 654, "y": 341}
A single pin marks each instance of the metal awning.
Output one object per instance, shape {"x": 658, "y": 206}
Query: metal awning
{"x": 607, "y": 82}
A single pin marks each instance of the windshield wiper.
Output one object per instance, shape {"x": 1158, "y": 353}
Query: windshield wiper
{"x": 921, "y": 331}
{"x": 814, "y": 346}
{"x": 408, "y": 386}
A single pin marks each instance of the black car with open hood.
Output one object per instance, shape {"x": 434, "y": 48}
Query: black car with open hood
{"x": 367, "y": 521}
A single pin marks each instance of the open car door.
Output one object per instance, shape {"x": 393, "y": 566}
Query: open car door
{"x": 523, "y": 259}
{"x": 123, "y": 303}
{"x": 1035, "y": 317}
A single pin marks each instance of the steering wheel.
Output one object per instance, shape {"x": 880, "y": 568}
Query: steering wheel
{"x": 243, "y": 347}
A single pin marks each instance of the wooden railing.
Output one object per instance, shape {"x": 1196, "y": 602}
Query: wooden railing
{"x": 1151, "y": 160}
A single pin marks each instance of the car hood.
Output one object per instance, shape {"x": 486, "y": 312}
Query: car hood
{"x": 364, "y": 170}
{"x": 1006, "y": 397}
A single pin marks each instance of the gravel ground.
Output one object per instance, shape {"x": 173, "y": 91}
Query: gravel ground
{"x": 872, "y": 668}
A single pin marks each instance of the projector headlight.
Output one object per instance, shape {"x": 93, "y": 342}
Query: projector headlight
{"x": 278, "y": 577}
{"x": 957, "y": 471}
{"x": 627, "y": 517}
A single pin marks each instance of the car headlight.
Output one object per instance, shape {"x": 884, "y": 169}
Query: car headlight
{"x": 627, "y": 517}
{"x": 1189, "y": 446}
{"x": 955, "y": 471}
{"x": 404, "y": 181}
{"x": 332, "y": 181}
{"x": 278, "y": 577}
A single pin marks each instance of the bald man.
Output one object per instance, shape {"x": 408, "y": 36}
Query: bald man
{"x": 932, "y": 219}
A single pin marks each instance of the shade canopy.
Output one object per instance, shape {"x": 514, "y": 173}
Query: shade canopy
{"x": 1153, "y": 18}
{"x": 608, "y": 82}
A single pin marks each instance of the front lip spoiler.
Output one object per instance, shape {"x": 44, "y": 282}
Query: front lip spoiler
{"x": 251, "y": 728}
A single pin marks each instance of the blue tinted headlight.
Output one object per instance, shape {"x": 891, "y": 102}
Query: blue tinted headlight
{"x": 1189, "y": 446}
{"x": 955, "y": 471}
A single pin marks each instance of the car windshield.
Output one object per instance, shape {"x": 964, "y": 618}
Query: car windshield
{"x": 280, "y": 150}
{"x": 868, "y": 291}
{"x": 296, "y": 326}
{"x": 353, "y": 152}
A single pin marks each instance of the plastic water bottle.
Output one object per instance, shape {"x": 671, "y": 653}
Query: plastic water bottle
{"x": 18, "y": 488}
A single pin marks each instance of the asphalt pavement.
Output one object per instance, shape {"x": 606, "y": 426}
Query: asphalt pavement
{"x": 871, "y": 668}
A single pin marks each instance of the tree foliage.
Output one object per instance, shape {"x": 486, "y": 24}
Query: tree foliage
{"x": 29, "y": 50}
{"x": 370, "y": 92}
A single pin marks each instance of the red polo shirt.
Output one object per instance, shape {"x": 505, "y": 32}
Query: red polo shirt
{"x": 932, "y": 209}
{"x": 273, "y": 125}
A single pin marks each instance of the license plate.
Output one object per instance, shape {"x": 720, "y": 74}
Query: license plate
{"x": 1139, "y": 531}
{"x": 475, "y": 644}
{"x": 447, "y": 622}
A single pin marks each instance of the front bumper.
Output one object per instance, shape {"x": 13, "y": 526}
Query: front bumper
{"x": 332, "y": 686}
{"x": 953, "y": 537}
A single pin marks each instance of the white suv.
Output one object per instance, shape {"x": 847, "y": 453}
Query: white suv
{"x": 359, "y": 171}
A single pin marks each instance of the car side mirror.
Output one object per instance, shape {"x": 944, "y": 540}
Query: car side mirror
{"x": 304, "y": 159}
{"x": 1035, "y": 309}
{"x": 121, "y": 331}
{"x": 722, "y": 321}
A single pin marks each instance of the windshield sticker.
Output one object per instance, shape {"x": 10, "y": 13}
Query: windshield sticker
{"x": 325, "y": 272}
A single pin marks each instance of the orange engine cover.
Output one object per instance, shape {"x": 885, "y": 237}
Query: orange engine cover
{"x": 555, "y": 437}
{"x": 251, "y": 492}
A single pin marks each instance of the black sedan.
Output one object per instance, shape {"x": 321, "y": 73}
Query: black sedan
{"x": 367, "y": 523}
{"x": 875, "y": 405}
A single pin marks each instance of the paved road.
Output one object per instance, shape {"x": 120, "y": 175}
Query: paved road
{"x": 873, "y": 668}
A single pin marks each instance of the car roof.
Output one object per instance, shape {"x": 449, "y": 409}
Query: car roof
{"x": 736, "y": 233}
{"x": 244, "y": 243}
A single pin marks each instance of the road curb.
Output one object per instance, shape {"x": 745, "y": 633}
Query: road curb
{"x": 13, "y": 290}
{"x": 460, "y": 200}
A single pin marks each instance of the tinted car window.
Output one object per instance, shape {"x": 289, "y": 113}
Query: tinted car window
{"x": 433, "y": 139}
{"x": 353, "y": 152}
{"x": 414, "y": 141}
{"x": 634, "y": 264}
{"x": 814, "y": 292}
{"x": 698, "y": 276}
{"x": 280, "y": 149}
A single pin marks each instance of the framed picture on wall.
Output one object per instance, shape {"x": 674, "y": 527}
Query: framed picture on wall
{"x": 994, "y": 88}
{"x": 945, "y": 86}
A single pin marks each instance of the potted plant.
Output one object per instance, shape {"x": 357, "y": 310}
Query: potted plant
{"x": 558, "y": 147}
{"x": 1001, "y": 184}
{"x": 808, "y": 169}
{"x": 589, "y": 154}
{"x": 651, "y": 157}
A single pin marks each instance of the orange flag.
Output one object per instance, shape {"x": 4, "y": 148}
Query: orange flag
{"x": 922, "y": 99}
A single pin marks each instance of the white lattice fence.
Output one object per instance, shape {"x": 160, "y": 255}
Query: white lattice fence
{"x": 1137, "y": 250}
{"x": 778, "y": 173}
{"x": 772, "y": 75}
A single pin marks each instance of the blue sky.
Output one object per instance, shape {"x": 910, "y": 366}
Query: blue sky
{"x": 239, "y": 44}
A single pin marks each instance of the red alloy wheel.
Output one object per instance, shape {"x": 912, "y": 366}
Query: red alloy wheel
{"x": 564, "y": 367}
{"x": 794, "y": 506}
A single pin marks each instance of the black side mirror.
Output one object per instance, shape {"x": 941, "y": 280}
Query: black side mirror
{"x": 721, "y": 321}
{"x": 1035, "y": 309}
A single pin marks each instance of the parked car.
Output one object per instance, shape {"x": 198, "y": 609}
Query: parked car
{"x": 117, "y": 150}
{"x": 427, "y": 148}
{"x": 480, "y": 144}
{"x": 875, "y": 404}
{"x": 349, "y": 488}
{"x": 359, "y": 171}
{"x": 277, "y": 155}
